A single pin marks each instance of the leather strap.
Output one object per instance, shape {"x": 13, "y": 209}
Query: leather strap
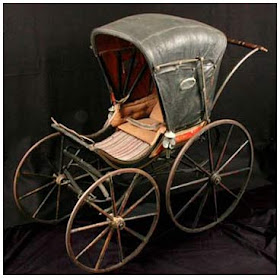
{"x": 139, "y": 124}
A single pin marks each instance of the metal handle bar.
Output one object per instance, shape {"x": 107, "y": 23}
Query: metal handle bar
{"x": 247, "y": 44}
{"x": 219, "y": 92}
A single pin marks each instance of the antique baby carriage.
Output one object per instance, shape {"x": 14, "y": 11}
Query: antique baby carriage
{"x": 161, "y": 72}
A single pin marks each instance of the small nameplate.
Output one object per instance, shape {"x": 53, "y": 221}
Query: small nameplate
{"x": 187, "y": 83}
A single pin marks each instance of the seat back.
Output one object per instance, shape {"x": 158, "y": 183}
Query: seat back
{"x": 156, "y": 113}
{"x": 139, "y": 109}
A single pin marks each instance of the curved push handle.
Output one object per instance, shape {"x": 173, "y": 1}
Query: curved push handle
{"x": 247, "y": 44}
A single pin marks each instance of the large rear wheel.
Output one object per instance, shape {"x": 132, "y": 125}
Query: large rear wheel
{"x": 199, "y": 195}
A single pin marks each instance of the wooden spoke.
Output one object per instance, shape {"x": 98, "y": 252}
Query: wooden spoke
{"x": 112, "y": 193}
{"x": 51, "y": 164}
{"x": 43, "y": 202}
{"x": 91, "y": 226}
{"x": 228, "y": 190}
{"x": 65, "y": 216}
{"x": 131, "y": 208}
{"x": 186, "y": 171}
{"x": 81, "y": 177}
{"x": 189, "y": 183}
{"x": 36, "y": 190}
{"x": 201, "y": 168}
{"x": 37, "y": 175}
{"x": 210, "y": 151}
{"x": 190, "y": 165}
{"x": 140, "y": 216}
{"x": 201, "y": 206}
{"x": 57, "y": 201}
{"x": 104, "y": 249}
{"x": 233, "y": 156}
{"x": 186, "y": 163}
{"x": 221, "y": 156}
{"x": 190, "y": 201}
{"x": 99, "y": 209}
{"x": 92, "y": 243}
{"x": 127, "y": 194}
{"x": 134, "y": 233}
{"x": 215, "y": 201}
{"x": 117, "y": 204}
{"x": 120, "y": 244}
{"x": 234, "y": 172}
{"x": 61, "y": 155}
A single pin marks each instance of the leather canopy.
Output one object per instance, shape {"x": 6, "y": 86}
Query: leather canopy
{"x": 166, "y": 39}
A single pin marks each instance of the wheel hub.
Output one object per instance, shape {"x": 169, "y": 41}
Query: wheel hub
{"x": 60, "y": 178}
{"x": 215, "y": 179}
{"x": 117, "y": 222}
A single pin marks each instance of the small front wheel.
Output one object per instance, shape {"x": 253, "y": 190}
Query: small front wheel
{"x": 199, "y": 195}
{"x": 103, "y": 236}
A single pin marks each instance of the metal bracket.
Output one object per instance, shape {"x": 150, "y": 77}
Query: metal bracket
{"x": 111, "y": 111}
{"x": 169, "y": 142}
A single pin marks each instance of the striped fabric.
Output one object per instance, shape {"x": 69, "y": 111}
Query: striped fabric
{"x": 123, "y": 146}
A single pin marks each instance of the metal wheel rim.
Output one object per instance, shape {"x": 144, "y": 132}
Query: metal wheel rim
{"x": 177, "y": 161}
{"x": 78, "y": 205}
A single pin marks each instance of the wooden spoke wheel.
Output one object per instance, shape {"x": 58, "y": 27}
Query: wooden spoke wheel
{"x": 103, "y": 236}
{"x": 41, "y": 187}
{"x": 199, "y": 195}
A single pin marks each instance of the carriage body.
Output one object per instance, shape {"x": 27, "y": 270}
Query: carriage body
{"x": 161, "y": 72}
{"x": 170, "y": 64}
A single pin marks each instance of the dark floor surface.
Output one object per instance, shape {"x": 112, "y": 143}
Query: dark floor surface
{"x": 244, "y": 244}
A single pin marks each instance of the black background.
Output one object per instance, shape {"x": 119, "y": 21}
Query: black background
{"x": 49, "y": 70}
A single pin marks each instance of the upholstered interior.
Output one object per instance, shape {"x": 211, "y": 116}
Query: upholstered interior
{"x": 148, "y": 136}
{"x": 133, "y": 140}
{"x": 123, "y": 146}
{"x": 147, "y": 112}
{"x": 156, "y": 113}
{"x": 138, "y": 109}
